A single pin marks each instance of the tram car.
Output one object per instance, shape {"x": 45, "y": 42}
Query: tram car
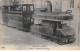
{"x": 53, "y": 26}
{"x": 18, "y": 16}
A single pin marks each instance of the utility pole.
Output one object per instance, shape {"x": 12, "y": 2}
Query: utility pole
{"x": 41, "y": 3}
{"x": 32, "y": 1}
{"x": 79, "y": 23}
{"x": 61, "y": 5}
{"x": 79, "y": 18}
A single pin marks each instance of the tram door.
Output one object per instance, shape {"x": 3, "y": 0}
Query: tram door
{"x": 27, "y": 15}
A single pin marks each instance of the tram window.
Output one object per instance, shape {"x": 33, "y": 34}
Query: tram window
{"x": 24, "y": 8}
{"x": 59, "y": 25}
{"x": 8, "y": 8}
{"x": 65, "y": 24}
{"x": 31, "y": 8}
{"x": 18, "y": 8}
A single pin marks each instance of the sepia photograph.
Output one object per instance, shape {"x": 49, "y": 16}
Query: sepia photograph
{"x": 39, "y": 24}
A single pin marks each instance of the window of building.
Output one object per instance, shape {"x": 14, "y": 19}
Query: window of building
{"x": 71, "y": 3}
{"x": 79, "y": 4}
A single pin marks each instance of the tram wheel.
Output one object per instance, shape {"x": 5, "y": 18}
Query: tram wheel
{"x": 62, "y": 41}
{"x": 42, "y": 36}
{"x": 71, "y": 40}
